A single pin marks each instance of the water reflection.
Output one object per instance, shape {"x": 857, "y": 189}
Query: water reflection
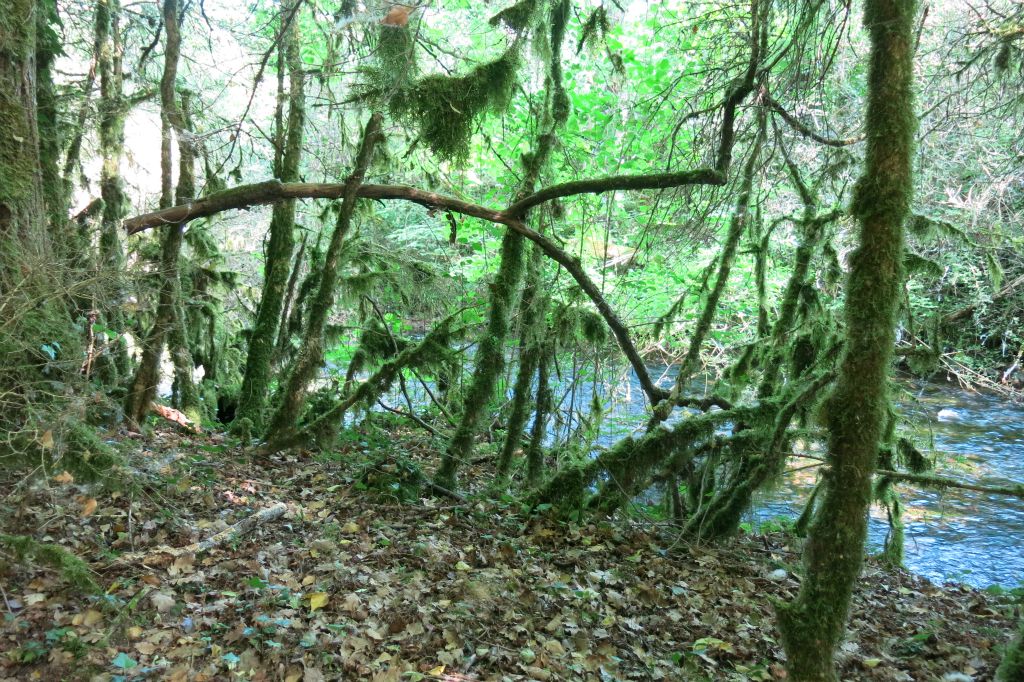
{"x": 951, "y": 535}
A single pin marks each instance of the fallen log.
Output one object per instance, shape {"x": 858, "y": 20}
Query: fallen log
{"x": 232, "y": 532}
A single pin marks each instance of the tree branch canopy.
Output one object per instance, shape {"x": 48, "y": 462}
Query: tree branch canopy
{"x": 700, "y": 176}
{"x": 271, "y": 191}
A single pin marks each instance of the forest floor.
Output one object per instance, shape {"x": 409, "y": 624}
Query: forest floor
{"x": 365, "y": 576}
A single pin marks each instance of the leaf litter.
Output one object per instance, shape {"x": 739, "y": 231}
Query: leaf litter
{"x": 369, "y": 583}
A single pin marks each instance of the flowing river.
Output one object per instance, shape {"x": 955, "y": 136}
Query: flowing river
{"x": 951, "y": 535}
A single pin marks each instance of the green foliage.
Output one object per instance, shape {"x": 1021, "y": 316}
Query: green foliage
{"x": 394, "y": 477}
{"x": 1012, "y": 667}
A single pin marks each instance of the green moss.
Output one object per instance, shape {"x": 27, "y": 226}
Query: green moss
{"x": 75, "y": 571}
{"x": 1012, "y": 667}
{"x": 594, "y": 28}
{"x": 812, "y": 625}
{"x": 532, "y": 311}
{"x": 84, "y": 454}
{"x": 892, "y": 552}
{"x": 396, "y": 52}
{"x": 445, "y": 108}
{"x": 277, "y": 268}
{"x": 310, "y": 355}
{"x": 519, "y": 16}
{"x": 432, "y": 351}
{"x": 490, "y": 358}
{"x": 48, "y": 48}
{"x": 542, "y": 408}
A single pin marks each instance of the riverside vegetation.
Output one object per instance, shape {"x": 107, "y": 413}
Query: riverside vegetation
{"x": 307, "y": 310}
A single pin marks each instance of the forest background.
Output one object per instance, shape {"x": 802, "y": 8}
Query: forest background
{"x": 492, "y": 209}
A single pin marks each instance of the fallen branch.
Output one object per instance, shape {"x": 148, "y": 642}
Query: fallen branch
{"x": 931, "y": 481}
{"x": 237, "y": 530}
{"x": 968, "y": 310}
{"x": 175, "y": 417}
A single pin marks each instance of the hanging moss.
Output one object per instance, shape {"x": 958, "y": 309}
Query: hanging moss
{"x": 595, "y": 28}
{"x": 519, "y": 16}
{"x": 758, "y": 449}
{"x": 892, "y": 550}
{"x": 396, "y": 53}
{"x": 627, "y": 465}
{"x": 445, "y": 108}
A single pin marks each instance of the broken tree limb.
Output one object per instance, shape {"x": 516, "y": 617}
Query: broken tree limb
{"x": 232, "y": 532}
{"x": 967, "y": 311}
{"x": 239, "y": 529}
{"x": 175, "y": 417}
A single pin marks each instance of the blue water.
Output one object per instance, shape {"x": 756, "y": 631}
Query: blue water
{"x": 951, "y": 535}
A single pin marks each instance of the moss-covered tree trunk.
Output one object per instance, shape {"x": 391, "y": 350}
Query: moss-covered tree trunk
{"x": 111, "y": 111}
{"x": 32, "y": 304}
{"x": 22, "y": 208}
{"x": 22, "y": 212}
{"x": 531, "y": 318}
{"x": 283, "y": 335}
{"x": 252, "y": 400}
{"x": 311, "y": 352}
{"x": 55, "y": 199}
{"x": 142, "y": 390}
{"x": 542, "y": 408}
{"x": 812, "y": 625}
{"x": 490, "y": 356}
{"x": 185, "y": 392}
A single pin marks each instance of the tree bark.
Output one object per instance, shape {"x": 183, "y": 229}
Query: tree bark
{"x": 277, "y": 264}
{"x": 147, "y": 375}
{"x": 311, "y": 352}
{"x": 812, "y": 625}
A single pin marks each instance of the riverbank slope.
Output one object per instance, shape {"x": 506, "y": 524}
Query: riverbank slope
{"x": 359, "y": 573}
